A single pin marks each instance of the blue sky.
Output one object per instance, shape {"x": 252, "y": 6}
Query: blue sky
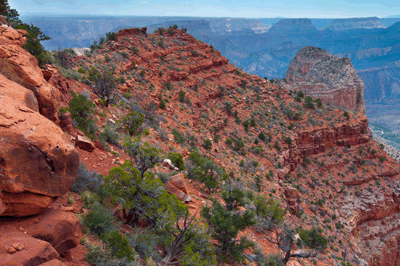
{"x": 215, "y": 8}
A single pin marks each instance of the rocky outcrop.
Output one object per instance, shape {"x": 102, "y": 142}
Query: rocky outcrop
{"x": 133, "y": 31}
{"x": 10, "y": 36}
{"x": 61, "y": 229}
{"x": 316, "y": 141}
{"x": 354, "y": 23}
{"x": 176, "y": 186}
{"x": 293, "y": 26}
{"x": 373, "y": 219}
{"x": 21, "y": 67}
{"x": 84, "y": 143}
{"x": 291, "y": 195}
{"x": 37, "y": 164}
{"x": 320, "y": 74}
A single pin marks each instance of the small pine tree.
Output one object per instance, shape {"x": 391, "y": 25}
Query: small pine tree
{"x": 81, "y": 110}
{"x": 177, "y": 160}
{"x": 144, "y": 155}
{"x": 261, "y": 136}
{"x": 181, "y": 96}
{"x": 103, "y": 84}
{"x": 207, "y": 144}
{"x": 132, "y": 122}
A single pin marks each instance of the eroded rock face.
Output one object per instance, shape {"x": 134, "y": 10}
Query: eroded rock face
{"x": 177, "y": 187}
{"x": 37, "y": 164}
{"x": 19, "y": 93}
{"x": 21, "y": 67}
{"x": 11, "y": 36}
{"x": 371, "y": 214}
{"x": 320, "y": 74}
{"x": 291, "y": 195}
{"x": 373, "y": 218}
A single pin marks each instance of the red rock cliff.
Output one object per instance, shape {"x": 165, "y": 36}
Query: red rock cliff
{"x": 320, "y": 74}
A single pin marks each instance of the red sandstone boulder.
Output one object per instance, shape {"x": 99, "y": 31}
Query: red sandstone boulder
{"x": 37, "y": 163}
{"x": 177, "y": 192}
{"x": 17, "y": 248}
{"x": 61, "y": 229}
{"x": 65, "y": 119}
{"x": 177, "y": 181}
{"x": 84, "y": 143}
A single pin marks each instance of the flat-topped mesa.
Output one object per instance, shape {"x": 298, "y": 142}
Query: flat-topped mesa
{"x": 320, "y": 74}
{"x": 293, "y": 26}
{"x": 354, "y": 23}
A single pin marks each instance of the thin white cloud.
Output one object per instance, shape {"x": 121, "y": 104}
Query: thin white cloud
{"x": 145, "y": 2}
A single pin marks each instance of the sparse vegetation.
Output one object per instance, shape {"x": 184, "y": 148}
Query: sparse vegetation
{"x": 104, "y": 84}
{"x": 82, "y": 111}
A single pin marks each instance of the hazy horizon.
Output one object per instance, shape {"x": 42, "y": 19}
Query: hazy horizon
{"x": 33, "y": 14}
{"x": 211, "y": 9}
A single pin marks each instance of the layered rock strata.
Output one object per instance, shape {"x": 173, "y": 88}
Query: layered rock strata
{"x": 320, "y": 74}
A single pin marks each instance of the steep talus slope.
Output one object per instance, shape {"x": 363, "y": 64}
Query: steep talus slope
{"x": 322, "y": 75}
{"x": 344, "y": 181}
{"x": 354, "y": 23}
